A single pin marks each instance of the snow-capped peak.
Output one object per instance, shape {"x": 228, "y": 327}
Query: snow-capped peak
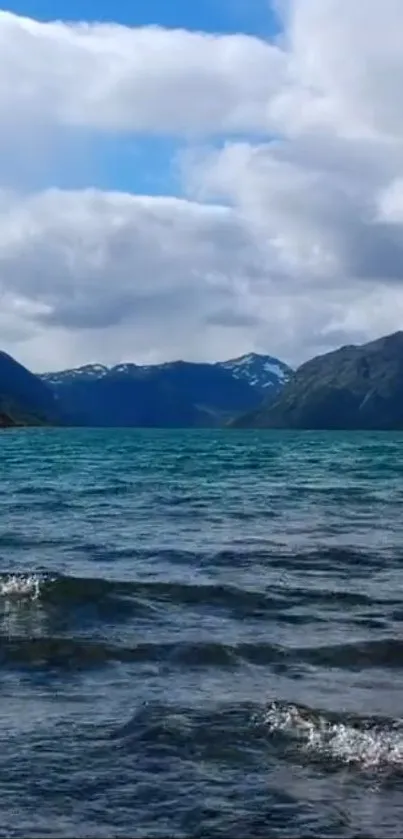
{"x": 87, "y": 371}
{"x": 261, "y": 371}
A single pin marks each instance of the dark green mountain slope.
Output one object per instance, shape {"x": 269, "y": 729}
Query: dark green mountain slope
{"x": 355, "y": 387}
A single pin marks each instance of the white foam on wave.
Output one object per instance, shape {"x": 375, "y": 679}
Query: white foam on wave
{"x": 369, "y": 746}
{"x": 27, "y": 586}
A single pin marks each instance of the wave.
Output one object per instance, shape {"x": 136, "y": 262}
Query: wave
{"x": 43, "y": 646}
{"x": 40, "y": 595}
{"x": 69, "y": 589}
{"x": 117, "y": 601}
{"x": 249, "y": 601}
{"x": 383, "y": 652}
{"x": 20, "y": 586}
{"x": 367, "y": 743}
{"x": 67, "y": 652}
{"x": 39, "y": 604}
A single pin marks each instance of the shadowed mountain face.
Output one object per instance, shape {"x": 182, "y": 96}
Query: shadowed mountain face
{"x": 24, "y": 398}
{"x": 177, "y": 394}
{"x": 355, "y": 387}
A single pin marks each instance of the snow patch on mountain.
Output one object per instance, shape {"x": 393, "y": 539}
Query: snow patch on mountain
{"x": 87, "y": 371}
{"x": 261, "y": 371}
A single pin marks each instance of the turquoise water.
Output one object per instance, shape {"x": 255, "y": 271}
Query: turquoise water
{"x": 201, "y": 634}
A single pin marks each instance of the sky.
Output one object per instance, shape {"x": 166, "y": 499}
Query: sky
{"x": 199, "y": 180}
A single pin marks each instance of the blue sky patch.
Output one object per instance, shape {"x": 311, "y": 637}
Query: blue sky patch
{"x": 249, "y": 16}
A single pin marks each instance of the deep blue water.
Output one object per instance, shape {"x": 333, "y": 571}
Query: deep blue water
{"x": 201, "y": 634}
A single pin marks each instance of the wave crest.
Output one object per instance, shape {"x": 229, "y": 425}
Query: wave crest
{"x": 24, "y": 586}
{"x": 366, "y": 743}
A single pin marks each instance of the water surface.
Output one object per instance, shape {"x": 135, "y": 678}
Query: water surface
{"x": 201, "y": 634}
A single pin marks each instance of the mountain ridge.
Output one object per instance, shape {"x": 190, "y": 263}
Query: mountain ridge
{"x": 171, "y": 394}
{"x": 355, "y": 387}
{"x": 260, "y": 370}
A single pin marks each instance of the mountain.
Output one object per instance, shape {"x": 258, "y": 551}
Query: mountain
{"x": 354, "y": 387}
{"x": 174, "y": 394}
{"x": 263, "y": 372}
{"x": 24, "y": 398}
{"x": 179, "y": 394}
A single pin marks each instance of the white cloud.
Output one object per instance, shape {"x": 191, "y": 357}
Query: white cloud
{"x": 112, "y": 77}
{"x": 338, "y": 67}
{"x": 313, "y": 205}
{"x": 326, "y": 217}
{"x": 151, "y": 276}
{"x": 95, "y": 276}
{"x": 345, "y": 66}
{"x": 303, "y": 248}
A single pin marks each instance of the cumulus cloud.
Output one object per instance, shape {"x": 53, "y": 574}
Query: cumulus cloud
{"x": 289, "y": 241}
{"x": 337, "y": 67}
{"x": 320, "y": 209}
{"x": 165, "y": 273}
{"x": 88, "y": 276}
{"x": 345, "y": 66}
{"x": 116, "y": 78}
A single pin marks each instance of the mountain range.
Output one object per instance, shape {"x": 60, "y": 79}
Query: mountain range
{"x": 354, "y": 387}
{"x": 173, "y": 394}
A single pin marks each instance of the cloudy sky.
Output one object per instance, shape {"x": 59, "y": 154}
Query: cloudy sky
{"x": 198, "y": 180}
